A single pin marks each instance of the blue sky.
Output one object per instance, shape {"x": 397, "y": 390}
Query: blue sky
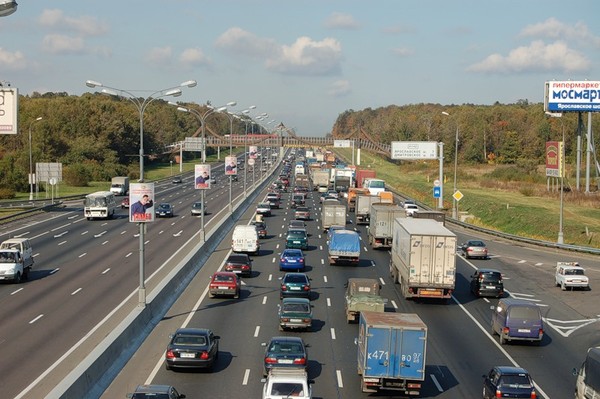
{"x": 304, "y": 62}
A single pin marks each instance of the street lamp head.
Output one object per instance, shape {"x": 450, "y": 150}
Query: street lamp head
{"x": 173, "y": 92}
{"x": 183, "y": 109}
{"x": 445, "y": 113}
{"x": 189, "y": 83}
{"x": 252, "y": 107}
{"x": 232, "y": 104}
{"x": 221, "y": 109}
{"x": 92, "y": 83}
{"x": 109, "y": 92}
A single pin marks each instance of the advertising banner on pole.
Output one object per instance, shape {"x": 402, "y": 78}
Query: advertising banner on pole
{"x": 9, "y": 106}
{"x": 202, "y": 176}
{"x": 231, "y": 165}
{"x": 554, "y": 161}
{"x": 141, "y": 200}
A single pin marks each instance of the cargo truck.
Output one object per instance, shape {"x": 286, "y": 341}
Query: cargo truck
{"x": 119, "y": 185}
{"x": 391, "y": 352}
{"x": 587, "y": 385}
{"x": 362, "y": 174}
{"x": 363, "y": 207}
{"x": 352, "y": 194}
{"x": 435, "y": 215}
{"x": 381, "y": 224}
{"x": 333, "y": 214}
{"x": 344, "y": 248}
{"x": 423, "y": 258}
{"x": 362, "y": 294}
{"x": 320, "y": 178}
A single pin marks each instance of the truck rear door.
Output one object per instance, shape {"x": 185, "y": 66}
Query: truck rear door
{"x": 396, "y": 353}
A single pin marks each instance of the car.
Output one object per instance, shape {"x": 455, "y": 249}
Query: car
{"x": 411, "y": 209}
{"x": 197, "y": 209}
{"x": 125, "y": 203}
{"x": 487, "y": 282}
{"x": 154, "y": 391}
{"x": 275, "y": 195}
{"x": 287, "y": 383}
{"x": 332, "y": 194}
{"x": 296, "y": 238}
{"x": 233, "y": 178}
{"x": 508, "y": 382}
{"x": 239, "y": 263}
{"x": 263, "y": 168}
{"x": 177, "y": 180}
{"x": 274, "y": 203}
{"x": 296, "y": 285}
{"x": 407, "y": 202}
{"x": 285, "y": 352}
{"x": 261, "y": 229}
{"x": 192, "y": 348}
{"x": 474, "y": 249}
{"x": 570, "y": 275}
{"x": 296, "y": 224}
{"x": 302, "y": 213}
{"x": 164, "y": 209}
{"x": 291, "y": 259}
{"x": 295, "y": 313}
{"x": 518, "y": 320}
{"x": 297, "y": 200}
{"x": 224, "y": 284}
{"x": 263, "y": 208}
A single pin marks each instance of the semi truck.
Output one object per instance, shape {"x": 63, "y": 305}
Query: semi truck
{"x": 363, "y": 207}
{"x": 320, "y": 178}
{"x": 362, "y": 294}
{"x": 423, "y": 258}
{"x": 344, "y": 248}
{"x": 381, "y": 224}
{"x": 333, "y": 214}
{"x": 391, "y": 352}
{"x": 119, "y": 185}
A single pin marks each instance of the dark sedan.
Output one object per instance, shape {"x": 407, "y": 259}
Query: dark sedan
{"x": 164, "y": 210}
{"x": 239, "y": 264}
{"x": 285, "y": 352}
{"x": 192, "y": 348}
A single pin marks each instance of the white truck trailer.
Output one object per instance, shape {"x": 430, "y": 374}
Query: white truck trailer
{"x": 381, "y": 224}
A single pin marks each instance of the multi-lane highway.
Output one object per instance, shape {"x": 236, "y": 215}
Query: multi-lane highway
{"x": 460, "y": 346}
{"x": 85, "y": 279}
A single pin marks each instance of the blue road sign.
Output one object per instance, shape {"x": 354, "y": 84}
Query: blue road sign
{"x": 437, "y": 192}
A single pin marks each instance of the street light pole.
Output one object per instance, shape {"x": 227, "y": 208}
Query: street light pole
{"x": 561, "y": 163}
{"x": 455, "y": 202}
{"x": 141, "y": 105}
{"x": 39, "y": 118}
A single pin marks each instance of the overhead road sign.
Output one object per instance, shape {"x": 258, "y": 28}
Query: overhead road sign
{"x": 342, "y": 143}
{"x": 414, "y": 150}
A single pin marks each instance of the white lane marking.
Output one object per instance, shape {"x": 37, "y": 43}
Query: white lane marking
{"x": 60, "y": 227}
{"x": 36, "y": 319}
{"x": 437, "y": 384}
{"x": 522, "y": 261}
{"x": 365, "y": 248}
{"x": 246, "y": 377}
{"x": 270, "y": 277}
{"x": 178, "y": 234}
{"x": 14, "y": 292}
{"x": 373, "y": 263}
{"x": 565, "y": 327}
{"x": 322, "y": 261}
{"x": 273, "y": 260}
{"x": 264, "y": 301}
{"x": 382, "y": 282}
{"x": 84, "y": 233}
{"x": 61, "y": 234}
{"x": 328, "y": 302}
{"x": 62, "y": 242}
{"x": 100, "y": 234}
{"x": 332, "y": 332}
{"x": 82, "y": 255}
{"x": 340, "y": 382}
{"x": 256, "y": 331}
{"x": 539, "y": 264}
{"x": 76, "y": 291}
{"x": 106, "y": 271}
{"x": 277, "y": 246}
{"x": 105, "y": 242}
{"x": 320, "y": 247}
{"x": 325, "y": 279}
{"x": 129, "y": 254}
{"x": 394, "y": 304}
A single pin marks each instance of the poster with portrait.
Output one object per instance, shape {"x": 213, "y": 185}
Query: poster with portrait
{"x": 231, "y": 165}
{"x": 141, "y": 202}
{"x": 253, "y": 152}
{"x": 202, "y": 176}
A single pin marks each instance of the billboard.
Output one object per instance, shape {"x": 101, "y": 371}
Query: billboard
{"x": 231, "y": 165}
{"x": 343, "y": 143}
{"x": 572, "y": 96}
{"x": 414, "y": 150}
{"x": 202, "y": 176}
{"x": 141, "y": 200}
{"x": 253, "y": 151}
{"x": 9, "y": 105}
{"x": 554, "y": 159}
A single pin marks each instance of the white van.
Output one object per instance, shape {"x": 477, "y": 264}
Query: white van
{"x": 245, "y": 239}
{"x": 282, "y": 383}
{"x": 16, "y": 259}
{"x": 375, "y": 186}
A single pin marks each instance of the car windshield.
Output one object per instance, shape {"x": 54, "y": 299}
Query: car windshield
{"x": 490, "y": 276}
{"x": 296, "y": 234}
{"x": 515, "y": 381}
{"x": 285, "y": 347}
{"x": 189, "y": 340}
{"x": 296, "y": 307}
{"x": 476, "y": 244}
{"x": 150, "y": 396}
{"x": 286, "y": 389}
{"x": 164, "y": 206}
{"x": 237, "y": 259}
{"x": 197, "y": 205}
{"x": 264, "y": 205}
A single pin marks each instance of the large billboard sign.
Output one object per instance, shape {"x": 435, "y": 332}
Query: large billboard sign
{"x": 554, "y": 159}
{"x": 572, "y": 96}
{"x": 9, "y": 105}
{"x": 342, "y": 143}
{"x": 414, "y": 150}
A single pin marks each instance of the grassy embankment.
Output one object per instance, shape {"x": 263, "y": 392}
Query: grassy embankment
{"x": 521, "y": 208}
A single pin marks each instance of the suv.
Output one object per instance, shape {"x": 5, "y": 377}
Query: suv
{"x": 508, "y": 382}
{"x": 487, "y": 282}
{"x": 284, "y": 383}
{"x": 296, "y": 238}
{"x": 155, "y": 392}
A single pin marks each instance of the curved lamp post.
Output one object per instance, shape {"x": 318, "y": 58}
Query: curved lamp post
{"x": 141, "y": 104}
{"x": 31, "y": 179}
{"x": 455, "y": 202}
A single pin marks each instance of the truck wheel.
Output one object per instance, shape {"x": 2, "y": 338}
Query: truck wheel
{"x": 18, "y": 278}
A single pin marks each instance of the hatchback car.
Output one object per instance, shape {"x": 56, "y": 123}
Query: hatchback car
{"x": 264, "y": 208}
{"x": 192, "y": 348}
{"x": 295, "y": 313}
{"x": 474, "y": 249}
{"x": 125, "y": 203}
{"x": 177, "y": 180}
{"x": 297, "y": 200}
{"x": 155, "y": 392}
{"x": 285, "y": 352}
{"x": 302, "y": 213}
{"x": 225, "y": 284}
{"x": 296, "y": 238}
{"x": 164, "y": 210}
{"x": 197, "y": 209}
{"x": 261, "y": 229}
{"x": 487, "y": 282}
{"x": 291, "y": 259}
{"x": 508, "y": 382}
{"x": 239, "y": 264}
{"x": 295, "y": 284}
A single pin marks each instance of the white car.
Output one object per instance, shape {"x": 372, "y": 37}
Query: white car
{"x": 283, "y": 383}
{"x": 411, "y": 209}
{"x": 570, "y": 274}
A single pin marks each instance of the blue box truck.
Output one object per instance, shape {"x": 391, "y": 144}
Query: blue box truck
{"x": 391, "y": 352}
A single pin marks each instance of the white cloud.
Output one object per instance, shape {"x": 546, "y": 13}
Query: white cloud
{"x": 341, "y": 21}
{"x": 12, "y": 61}
{"x": 536, "y": 57}
{"x": 84, "y": 25}
{"x": 403, "y": 51}
{"x": 159, "y": 55}
{"x": 554, "y": 29}
{"x": 241, "y": 42}
{"x": 340, "y": 88}
{"x": 308, "y": 57}
{"x": 62, "y": 44}
{"x": 194, "y": 57}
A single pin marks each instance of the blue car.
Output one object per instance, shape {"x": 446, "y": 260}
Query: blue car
{"x": 291, "y": 259}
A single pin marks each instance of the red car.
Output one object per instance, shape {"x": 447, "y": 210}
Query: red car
{"x": 125, "y": 203}
{"x": 224, "y": 284}
{"x": 239, "y": 264}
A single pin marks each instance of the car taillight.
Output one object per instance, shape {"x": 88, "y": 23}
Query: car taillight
{"x": 301, "y": 260}
{"x": 170, "y": 355}
{"x": 301, "y": 360}
{"x": 283, "y": 288}
{"x": 533, "y": 395}
{"x": 285, "y": 319}
{"x": 505, "y": 330}
{"x": 480, "y": 278}
{"x": 306, "y": 320}
{"x": 204, "y": 355}
{"x": 270, "y": 360}
{"x": 498, "y": 393}
{"x": 245, "y": 267}
{"x": 306, "y": 287}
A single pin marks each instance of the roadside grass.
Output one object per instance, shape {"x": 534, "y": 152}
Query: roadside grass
{"x": 524, "y": 207}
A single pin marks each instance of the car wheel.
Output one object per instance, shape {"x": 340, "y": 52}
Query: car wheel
{"x": 237, "y": 295}
{"x": 280, "y": 327}
{"x": 211, "y": 295}
{"x": 18, "y": 278}
{"x": 483, "y": 393}
{"x": 563, "y": 287}
{"x": 167, "y": 367}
